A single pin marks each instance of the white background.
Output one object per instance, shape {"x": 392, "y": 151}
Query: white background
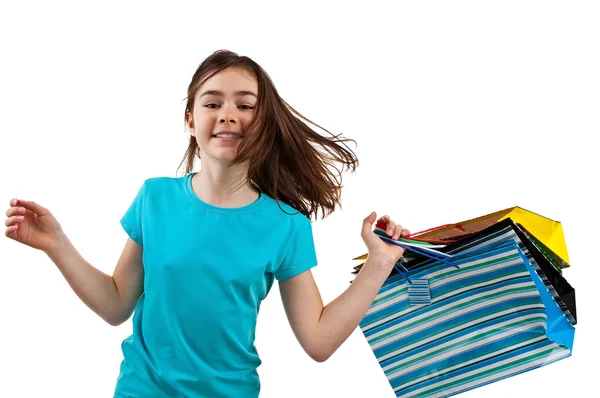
{"x": 459, "y": 109}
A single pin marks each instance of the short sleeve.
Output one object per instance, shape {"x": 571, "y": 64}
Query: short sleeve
{"x": 300, "y": 255}
{"x": 132, "y": 219}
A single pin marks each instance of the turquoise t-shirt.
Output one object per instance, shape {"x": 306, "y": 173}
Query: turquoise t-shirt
{"x": 207, "y": 269}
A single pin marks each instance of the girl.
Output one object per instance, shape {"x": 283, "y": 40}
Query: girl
{"x": 204, "y": 249}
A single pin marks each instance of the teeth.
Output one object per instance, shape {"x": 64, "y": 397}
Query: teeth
{"x": 227, "y": 135}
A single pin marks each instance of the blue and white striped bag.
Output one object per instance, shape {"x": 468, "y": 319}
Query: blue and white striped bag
{"x": 489, "y": 318}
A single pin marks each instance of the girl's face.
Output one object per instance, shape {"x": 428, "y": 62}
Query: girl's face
{"x": 223, "y": 109}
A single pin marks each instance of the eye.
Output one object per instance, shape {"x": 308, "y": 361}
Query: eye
{"x": 246, "y": 107}
{"x": 211, "y": 105}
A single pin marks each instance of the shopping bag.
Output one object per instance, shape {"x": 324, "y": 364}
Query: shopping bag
{"x": 546, "y": 263}
{"x": 541, "y": 260}
{"x": 547, "y": 231}
{"x": 489, "y": 318}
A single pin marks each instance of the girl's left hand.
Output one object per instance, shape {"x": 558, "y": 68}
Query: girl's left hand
{"x": 379, "y": 249}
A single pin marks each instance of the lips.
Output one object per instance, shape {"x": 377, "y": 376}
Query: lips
{"x": 228, "y": 134}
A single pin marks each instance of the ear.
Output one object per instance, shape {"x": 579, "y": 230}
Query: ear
{"x": 189, "y": 121}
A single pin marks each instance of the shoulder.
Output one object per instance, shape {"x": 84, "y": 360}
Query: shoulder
{"x": 161, "y": 184}
{"x": 153, "y": 190}
{"x": 158, "y": 182}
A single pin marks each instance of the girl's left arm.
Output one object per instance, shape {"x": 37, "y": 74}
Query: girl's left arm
{"x": 320, "y": 329}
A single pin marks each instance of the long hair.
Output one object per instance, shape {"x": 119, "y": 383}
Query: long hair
{"x": 287, "y": 159}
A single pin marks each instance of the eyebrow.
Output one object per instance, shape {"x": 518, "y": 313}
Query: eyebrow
{"x": 220, "y": 93}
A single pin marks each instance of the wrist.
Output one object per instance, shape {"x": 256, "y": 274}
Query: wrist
{"x": 57, "y": 245}
{"x": 376, "y": 270}
{"x": 376, "y": 260}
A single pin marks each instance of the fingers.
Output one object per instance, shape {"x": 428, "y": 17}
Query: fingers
{"x": 391, "y": 228}
{"x": 11, "y": 221}
{"x": 368, "y": 223}
{"x": 11, "y": 231}
{"x": 384, "y": 219}
{"x": 14, "y": 211}
{"x": 15, "y": 216}
{"x": 399, "y": 231}
{"x": 31, "y": 205}
{"x": 389, "y": 224}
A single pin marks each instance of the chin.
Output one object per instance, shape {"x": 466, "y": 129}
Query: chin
{"x": 223, "y": 158}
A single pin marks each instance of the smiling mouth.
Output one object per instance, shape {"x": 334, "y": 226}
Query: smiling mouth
{"x": 227, "y": 135}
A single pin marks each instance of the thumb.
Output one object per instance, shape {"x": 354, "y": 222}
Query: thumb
{"x": 367, "y": 226}
{"x": 34, "y": 207}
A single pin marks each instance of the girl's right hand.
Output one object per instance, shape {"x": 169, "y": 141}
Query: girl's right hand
{"x": 32, "y": 225}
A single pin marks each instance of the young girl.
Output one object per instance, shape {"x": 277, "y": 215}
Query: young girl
{"x": 204, "y": 249}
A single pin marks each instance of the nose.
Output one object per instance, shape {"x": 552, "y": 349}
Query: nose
{"x": 228, "y": 115}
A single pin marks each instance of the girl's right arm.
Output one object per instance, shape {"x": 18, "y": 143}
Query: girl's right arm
{"x": 113, "y": 298}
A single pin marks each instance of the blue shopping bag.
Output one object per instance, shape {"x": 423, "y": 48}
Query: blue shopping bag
{"x": 542, "y": 260}
{"x": 488, "y": 316}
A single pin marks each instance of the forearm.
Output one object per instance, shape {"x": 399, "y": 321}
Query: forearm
{"x": 95, "y": 288}
{"x": 341, "y": 316}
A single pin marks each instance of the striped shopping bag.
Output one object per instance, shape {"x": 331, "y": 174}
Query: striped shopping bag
{"x": 488, "y": 316}
{"x": 546, "y": 263}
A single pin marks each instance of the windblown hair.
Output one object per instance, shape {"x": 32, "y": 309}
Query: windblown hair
{"x": 287, "y": 159}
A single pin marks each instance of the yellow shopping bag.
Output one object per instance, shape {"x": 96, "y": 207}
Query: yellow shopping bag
{"x": 546, "y": 230}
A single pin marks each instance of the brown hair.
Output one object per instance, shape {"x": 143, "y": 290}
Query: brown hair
{"x": 281, "y": 149}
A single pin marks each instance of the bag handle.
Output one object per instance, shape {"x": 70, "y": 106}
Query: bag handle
{"x": 426, "y": 252}
{"x": 414, "y": 236}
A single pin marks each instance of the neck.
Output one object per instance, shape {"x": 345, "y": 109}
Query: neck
{"x": 223, "y": 186}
